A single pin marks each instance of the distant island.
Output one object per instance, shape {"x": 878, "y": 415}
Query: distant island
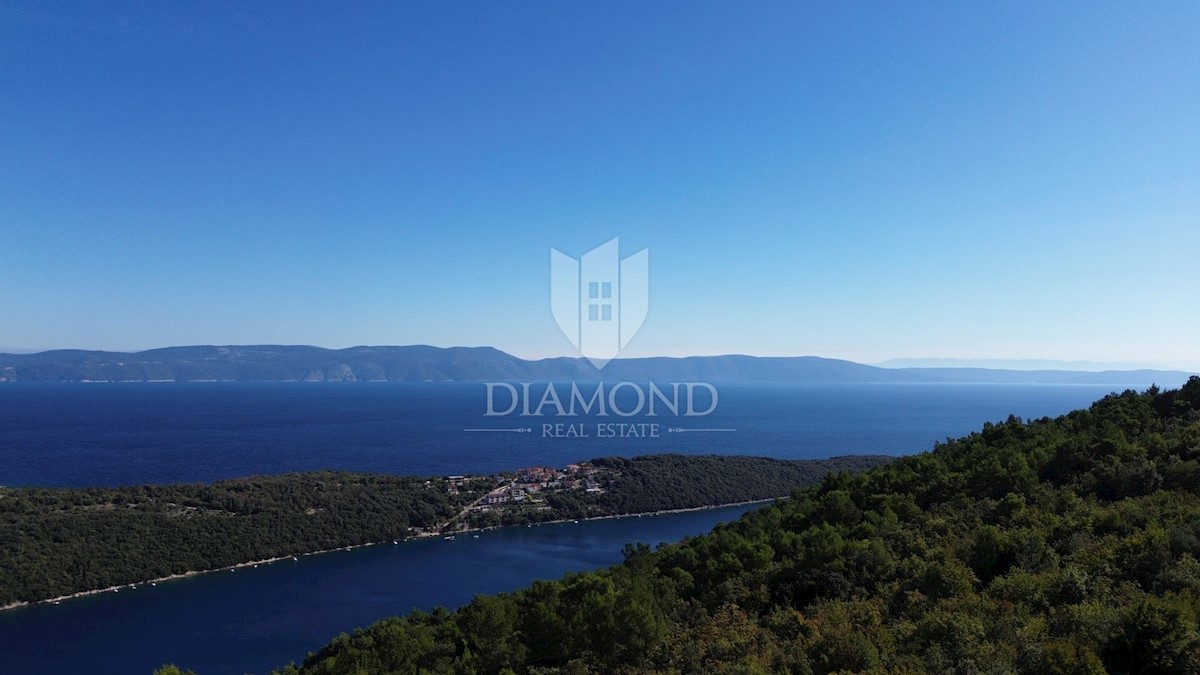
{"x": 60, "y": 543}
{"x": 416, "y": 363}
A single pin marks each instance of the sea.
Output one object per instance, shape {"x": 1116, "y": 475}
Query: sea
{"x": 257, "y": 619}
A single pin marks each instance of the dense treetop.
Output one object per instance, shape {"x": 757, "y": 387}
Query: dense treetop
{"x": 55, "y": 542}
{"x": 1065, "y": 545}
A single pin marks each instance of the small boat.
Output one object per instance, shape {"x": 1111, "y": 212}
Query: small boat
{"x": 293, "y": 557}
{"x": 153, "y": 583}
{"x": 448, "y": 538}
{"x": 575, "y": 521}
{"x": 474, "y": 536}
{"x": 58, "y": 602}
{"x": 395, "y": 542}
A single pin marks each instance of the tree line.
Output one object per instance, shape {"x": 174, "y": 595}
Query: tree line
{"x": 56, "y": 542}
{"x": 1056, "y": 546}
{"x": 669, "y": 481}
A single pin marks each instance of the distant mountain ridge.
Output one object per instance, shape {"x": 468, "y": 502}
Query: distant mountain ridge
{"x": 272, "y": 363}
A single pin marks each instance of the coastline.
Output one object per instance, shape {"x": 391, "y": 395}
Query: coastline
{"x": 623, "y": 515}
{"x": 266, "y": 561}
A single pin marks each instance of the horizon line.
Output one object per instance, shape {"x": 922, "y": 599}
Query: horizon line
{"x": 1049, "y": 364}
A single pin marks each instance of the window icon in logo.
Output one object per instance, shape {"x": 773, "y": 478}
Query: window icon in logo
{"x": 599, "y": 301}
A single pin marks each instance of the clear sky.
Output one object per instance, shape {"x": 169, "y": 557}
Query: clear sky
{"x": 856, "y": 180}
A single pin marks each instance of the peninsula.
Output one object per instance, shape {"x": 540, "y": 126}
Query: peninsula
{"x": 60, "y": 543}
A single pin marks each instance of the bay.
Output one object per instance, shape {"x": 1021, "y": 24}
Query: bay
{"x": 257, "y": 619}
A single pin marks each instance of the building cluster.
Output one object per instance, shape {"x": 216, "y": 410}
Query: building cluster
{"x": 454, "y": 484}
{"x": 531, "y": 483}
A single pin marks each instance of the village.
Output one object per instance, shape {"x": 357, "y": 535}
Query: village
{"x": 520, "y": 496}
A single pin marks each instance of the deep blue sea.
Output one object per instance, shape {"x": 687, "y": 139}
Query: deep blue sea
{"x": 253, "y": 620}
{"x": 112, "y": 434}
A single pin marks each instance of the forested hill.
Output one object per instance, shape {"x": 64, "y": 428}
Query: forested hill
{"x": 56, "y": 542}
{"x": 1064, "y": 545}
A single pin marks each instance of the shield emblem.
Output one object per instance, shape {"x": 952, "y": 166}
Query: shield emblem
{"x": 599, "y": 301}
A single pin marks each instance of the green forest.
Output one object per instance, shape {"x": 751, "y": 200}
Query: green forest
{"x": 663, "y": 482}
{"x": 1065, "y": 545}
{"x": 55, "y": 542}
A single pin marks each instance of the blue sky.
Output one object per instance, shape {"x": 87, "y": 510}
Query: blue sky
{"x": 855, "y": 180}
